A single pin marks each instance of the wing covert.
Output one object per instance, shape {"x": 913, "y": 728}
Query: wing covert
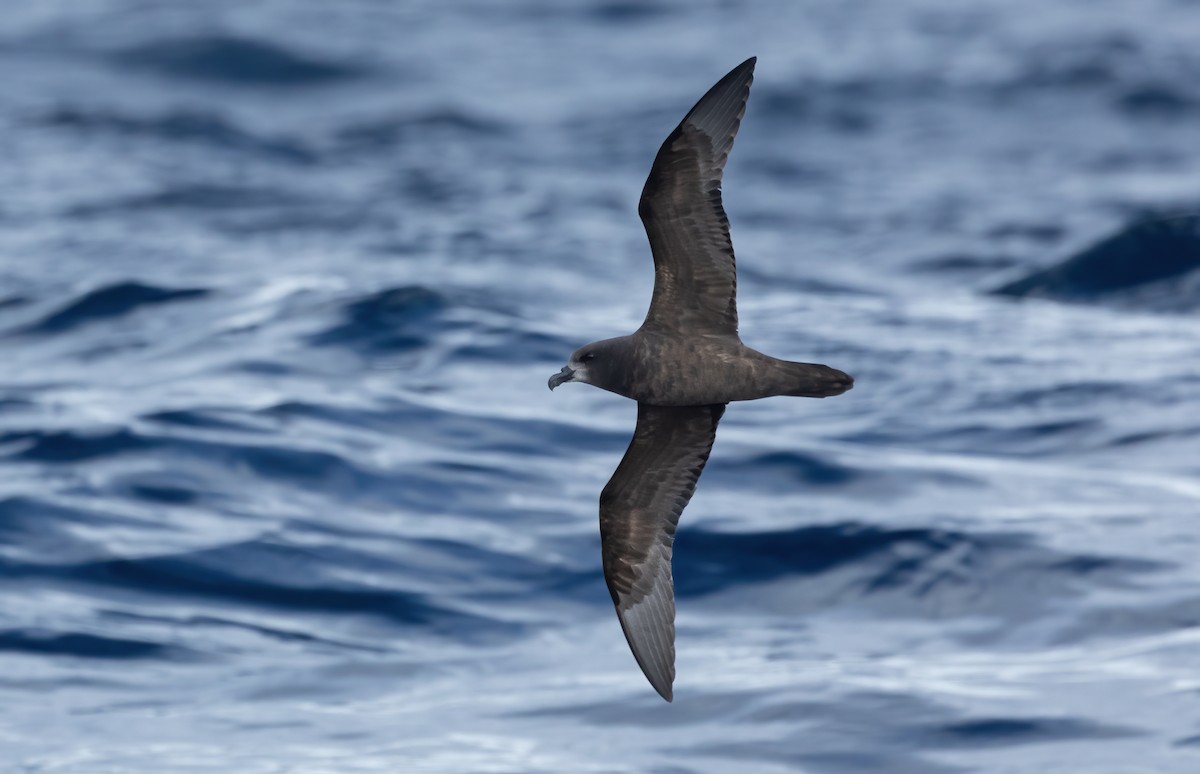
{"x": 639, "y": 511}
{"x": 695, "y": 274}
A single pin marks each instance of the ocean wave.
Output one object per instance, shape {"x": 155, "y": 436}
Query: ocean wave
{"x": 259, "y": 574}
{"x": 391, "y": 320}
{"x": 50, "y": 643}
{"x": 916, "y": 570}
{"x": 67, "y": 446}
{"x": 107, "y": 302}
{"x": 189, "y": 197}
{"x": 379, "y": 134}
{"x": 1019, "y": 436}
{"x": 1158, "y": 100}
{"x": 1149, "y": 252}
{"x": 775, "y": 471}
{"x": 236, "y": 60}
{"x": 13, "y": 302}
{"x": 1004, "y": 732}
{"x": 183, "y": 126}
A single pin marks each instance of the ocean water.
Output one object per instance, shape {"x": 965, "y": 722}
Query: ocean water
{"x": 282, "y": 488}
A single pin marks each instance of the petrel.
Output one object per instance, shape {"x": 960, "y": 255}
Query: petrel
{"x": 682, "y": 366}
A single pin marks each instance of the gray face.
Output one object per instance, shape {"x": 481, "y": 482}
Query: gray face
{"x": 577, "y": 368}
{"x": 596, "y": 364}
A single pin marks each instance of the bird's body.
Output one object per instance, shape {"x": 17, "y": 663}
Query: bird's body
{"x": 682, "y": 366}
{"x": 663, "y": 369}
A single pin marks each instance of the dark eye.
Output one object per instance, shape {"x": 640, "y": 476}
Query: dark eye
{"x": 587, "y": 357}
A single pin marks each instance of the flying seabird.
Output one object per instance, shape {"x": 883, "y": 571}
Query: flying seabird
{"x": 682, "y": 366}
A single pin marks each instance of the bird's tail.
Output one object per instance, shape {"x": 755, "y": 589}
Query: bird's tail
{"x": 810, "y": 380}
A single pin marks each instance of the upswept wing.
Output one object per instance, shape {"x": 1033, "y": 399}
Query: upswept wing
{"x": 695, "y": 276}
{"x": 639, "y": 510}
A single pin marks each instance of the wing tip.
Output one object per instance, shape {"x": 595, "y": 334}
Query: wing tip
{"x": 653, "y": 647}
{"x": 663, "y": 683}
{"x": 744, "y": 71}
{"x": 720, "y": 111}
{"x": 660, "y": 671}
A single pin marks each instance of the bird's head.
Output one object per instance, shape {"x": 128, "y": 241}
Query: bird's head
{"x": 598, "y": 363}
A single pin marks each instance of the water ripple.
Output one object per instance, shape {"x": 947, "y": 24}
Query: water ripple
{"x": 228, "y": 59}
{"x": 109, "y": 301}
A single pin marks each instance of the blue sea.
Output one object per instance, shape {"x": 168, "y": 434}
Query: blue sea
{"x": 282, "y": 488}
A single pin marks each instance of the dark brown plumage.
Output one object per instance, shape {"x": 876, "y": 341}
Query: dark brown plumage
{"x": 640, "y": 507}
{"x": 682, "y": 366}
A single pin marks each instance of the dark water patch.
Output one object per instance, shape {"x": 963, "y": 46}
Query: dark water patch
{"x": 80, "y": 645}
{"x": 511, "y": 345}
{"x": 855, "y": 715}
{"x": 166, "y": 495}
{"x": 314, "y": 470}
{"x": 199, "y": 197}
{"x": 1160, "y": 100}
{"x": 962, "y": 262}
{"x": 388, "y": 321}
{"x": 709, "y": 561}
{"x": 259, "y": 574}
{"x": 789, "y": 171}
{"x": 65, "y": 446}
{"x": 1132, "y": 621}
{"x": 205, "y": 419}
{"x": 172, "y": 486}
{"x": 1021, "y": 440}
{"x": 1008, "y": 732}
{"x": 466, "y": 471}
{"x": 625, "y": 12}
{"x": 1189, "y": 741}
{"x": 450, "y": 563}
{"x": 237, "y": 60}
{"x": 446, "y": 488}
{"x": 854, "y": 733}
{"x": 1151, "y": 251}
{"x": 264, "y": 368}
{"x": 108, "y": 302}
{"x": 300, "y": 216}
{"x": 1085, "y": 566}
{"x": 191, "y": 622}
{"x": 1032, "y": 232}
{"x": 338, "y": 416}
{"x": 13, "y": 302}
{"x": 798, "y": 284}
{"x": 861, "y": 762}
{"x": 431, "y": 187}
{"x": 429, "y": 488}
{"x": 190, "y": 127}
{"x": 774, "y": 471}
{"x": 843, "y": 108}
{"x": 459, "y": 430}
{"x": 513, "y": 577}
{"x": 37, "y": 532}
{"x": 619, "y": 712}
{"x": 815, "y": 755}
{"x": 946, "y": 571}
{"x": 209, "y": 575}
{"x": 1150, "y": 436}
{"x": 322, "y": 470}
{"x": 15, "y": 405}
{"x": 1067, "y": 395}
{"x": 29, "y": 515}
{"x": 381, "y": 133}
{"x": 1079, "y": 64}
{"x": 1127, "y": 159}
